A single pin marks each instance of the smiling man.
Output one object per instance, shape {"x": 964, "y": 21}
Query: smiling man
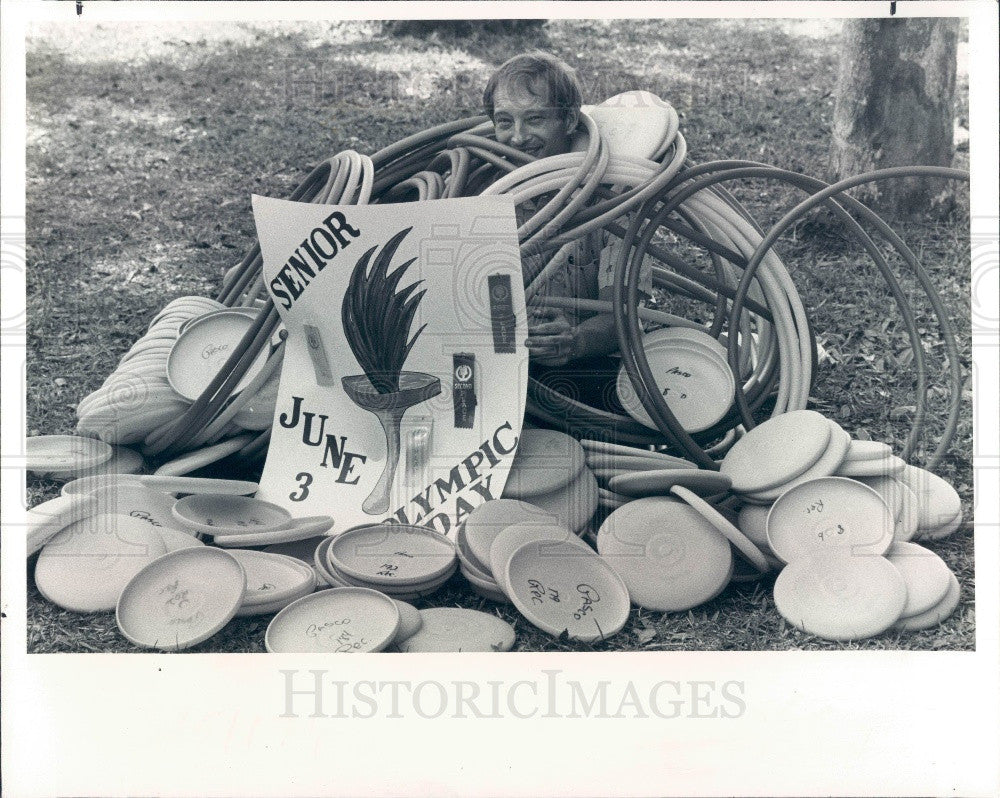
{"x": 534, "y": 101}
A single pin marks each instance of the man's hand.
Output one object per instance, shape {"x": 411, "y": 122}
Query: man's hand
{"x": 551, "y": 339}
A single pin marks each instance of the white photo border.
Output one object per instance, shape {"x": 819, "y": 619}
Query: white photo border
{"x": 911, "y": 723}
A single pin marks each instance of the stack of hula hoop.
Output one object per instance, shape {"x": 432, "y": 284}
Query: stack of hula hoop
{"x": 773, "y": 356}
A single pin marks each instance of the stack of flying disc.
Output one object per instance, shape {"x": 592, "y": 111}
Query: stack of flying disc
{"x": 870, "y": 459}
{"x": 136, "y": 398}
{"x": 550, "y": 472}
{"x": 239, "y": 521}
{"x": 482, "y": 526}
{"x": 410, "y": 622}
{"x": 845, "y": 577}
{"x": 691, "y": 373}
{"x": 273, "y": 581}
{"x": 202, "y": 347}
{"x": 785, "y": 451}
{"x": 69, "y": 457}
{"x": 558, "y": 582}
{"x": 609, "y": 460}
{"x": 402, "y": 561}
{"x": 939, "y": 508}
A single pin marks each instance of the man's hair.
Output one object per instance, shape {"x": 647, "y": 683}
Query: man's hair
{"x": 542, "y": 75}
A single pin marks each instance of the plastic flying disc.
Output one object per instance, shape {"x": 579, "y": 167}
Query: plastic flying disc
{"x": 909, "y": 514}
{"x": 467, "y": 560}
{"x": 837, "y": 596}
{"x": 486, "y": 588}
{"x": 321, "y": 564}
{"x": 670, "y": 557}
{"x": 46, "y": 520}
{"x": 181, "y": 599}
{"x": 200, "y": 352}
{"x": 165, "y": 484}
{"x": 566, "y": 587}
{"x": 867, "y": 450}
{"x": 407, "y": 592}
{"x": 455, "y": 629}
{"x": 66, "y": 454}
{"x": 599, "y": 448}
{"x": 303, "y": 550}
{"x": 545, "y": 460}
{"x": 174, "y": 539}
{"x": 945, "y": 529}
{"x": 129, "y": 498}
{"x": 515, "y": 536}
{"x": 86, "y": 566}
{"x": 763, "y": 458}
{"x": 271, "y": 577}
{"x": 927, "y": 576}
{"x": 742, "y": 543}
{"x": 221, "y": 514}
{"x": 252, "y": 313}
{"x": 123, "y": 461}
{"x": 826, "y": 465}
{"x": 270, "y": 607}
{"x": 875, "y": 467}
{"x": 199, "y": 458}
{"x": 632, "y": 124}
{"x": 696, "y": 384}
{"x": 605, "y": 475}
{"x": 392, "y": 554}
{"x": 476, "y": 574}
{"x": 131, "y": 425}
{"x": 936, "y": 614}
{"x": 343, "y": 620}
{"x": 891, "y": 491}
{"x": 297, "y": 529}
{"x": 258, "y": 413}
{"x": 573, "y": 504}
{"x": 752, "y": 521}
{"x": 829, "y": 513}
{"x": 687, "y": 334}
{"x": 410, "y": 621}
{"x": 490, "y": 518}
{"x": 938, "y": 501}
{"x": 625, "y": 463}
{"x": 659, "y": 483}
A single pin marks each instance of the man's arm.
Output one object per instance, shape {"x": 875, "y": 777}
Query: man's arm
{"x": 553, "y": 341}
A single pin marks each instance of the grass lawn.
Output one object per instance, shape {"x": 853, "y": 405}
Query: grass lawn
{"x": 145, "y": 144}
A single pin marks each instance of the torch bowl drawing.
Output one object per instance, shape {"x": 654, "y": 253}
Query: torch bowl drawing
{"x": 377, "y": 321}
{"x": 389, "y": 408}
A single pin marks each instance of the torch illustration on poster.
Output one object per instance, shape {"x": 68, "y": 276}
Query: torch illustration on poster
{"x": 404, "y": 376}
{"x": 377, "y": 322}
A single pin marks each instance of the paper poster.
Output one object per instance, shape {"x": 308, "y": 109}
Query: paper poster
{"x": 405, "y": 372}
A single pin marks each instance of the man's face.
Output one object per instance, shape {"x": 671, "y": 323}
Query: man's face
{"x": 523, "y": 121}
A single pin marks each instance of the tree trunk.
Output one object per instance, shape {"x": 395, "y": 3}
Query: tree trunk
{"x": 895, "y": 103}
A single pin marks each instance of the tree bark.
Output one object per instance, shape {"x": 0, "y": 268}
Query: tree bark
{"x": 895, "y": 101}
